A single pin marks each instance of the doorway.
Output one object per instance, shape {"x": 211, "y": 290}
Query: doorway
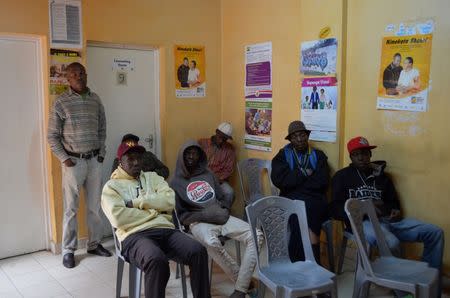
{"x": 127, "y": 80}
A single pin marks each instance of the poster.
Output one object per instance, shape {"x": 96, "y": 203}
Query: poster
{"x": 318, "y": 107}
{"x": 59, "y": 60}
{"x": 403, "y": 82}
{"x": 190, "y": 75}
{"x": 318, "y": 57}
{"x": 258, "y": 96}
{"x": 65, "y": 24}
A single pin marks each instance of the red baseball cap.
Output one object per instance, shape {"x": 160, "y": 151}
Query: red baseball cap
{"x": 359, "y": 143}
{"x": 126, "y": 147}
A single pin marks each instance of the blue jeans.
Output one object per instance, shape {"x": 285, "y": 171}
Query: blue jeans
{"x": 411, "y": 230}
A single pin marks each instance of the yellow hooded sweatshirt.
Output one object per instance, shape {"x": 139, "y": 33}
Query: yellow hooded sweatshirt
{"x": 153, "y": 201}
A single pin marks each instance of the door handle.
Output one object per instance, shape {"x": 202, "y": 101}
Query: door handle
{"x": 149, "y": 140}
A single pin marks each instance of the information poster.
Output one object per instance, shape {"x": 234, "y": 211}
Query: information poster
{"x": 59, "y": 60}
{"x": 318, "y": 57}
{"x": 318, "y": 107}
{"x": 404, "y": 76}
{"x": 65, "y": 24}
{"x": 258, "y": 96}
{"x": 190, "y": 75}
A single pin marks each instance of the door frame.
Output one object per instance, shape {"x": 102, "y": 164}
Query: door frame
{"x": 100, "y": 44}
{"x": 43, "y": 102}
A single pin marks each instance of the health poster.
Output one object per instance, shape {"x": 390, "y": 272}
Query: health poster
{"x": 190, "y": 76}
{"x": 258, "y": 71}
{"x": 258, "y": 124}
{"x": 318, "y": 57}
{"x": 59, "y": 60}
{"x": 404, "y": 76}
{"x": 319, "y": 101}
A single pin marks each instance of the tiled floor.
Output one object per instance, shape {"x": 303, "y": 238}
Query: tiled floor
{"x": 41, "y": 274}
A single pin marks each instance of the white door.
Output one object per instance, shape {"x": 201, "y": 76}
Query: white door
{"x": 23, "y": 183}
{"x": 129, "y": 92}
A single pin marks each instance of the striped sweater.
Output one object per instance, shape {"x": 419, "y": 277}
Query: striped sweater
{"x": 77, "y": 124}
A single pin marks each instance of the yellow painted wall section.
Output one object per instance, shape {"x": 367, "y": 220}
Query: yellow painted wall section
{"x": 155, "y": 23}
{"x": 286, "y": 24}
{"x": 415, "y": 145}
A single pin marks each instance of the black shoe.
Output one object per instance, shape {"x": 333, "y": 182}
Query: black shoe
{"x": 69, "y": 260}
{"x": 100, "y": 251}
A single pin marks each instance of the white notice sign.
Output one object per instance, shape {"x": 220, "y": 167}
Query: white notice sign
{"x": 65, "y": 24}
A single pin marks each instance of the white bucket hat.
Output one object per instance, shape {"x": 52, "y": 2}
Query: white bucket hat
{"x": 226, "y": 129}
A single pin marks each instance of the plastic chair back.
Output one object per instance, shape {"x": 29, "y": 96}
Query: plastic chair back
{"x": 271, "y": 214}
{"x": 251, "y": 171}
{"x": 358, "y": 211}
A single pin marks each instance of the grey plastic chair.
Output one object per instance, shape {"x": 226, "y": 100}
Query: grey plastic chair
{"x": 387, "y": 271}
{"x": 135, "y": 278}
{"x": 250, "y": 172}
{"x": 280, "y": 275}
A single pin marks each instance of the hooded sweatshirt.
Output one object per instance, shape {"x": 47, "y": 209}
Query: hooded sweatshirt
{"x": 153, "y": 201}
{"x": 198, "y": 194}
{"x": 349, "y": 183}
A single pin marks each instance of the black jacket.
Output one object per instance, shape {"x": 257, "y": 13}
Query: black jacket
{"x": 347, "y": 183}
{"x": 391, "y": 75}
{"x": 295, "y": 185}
{"x": 183, "y": 74}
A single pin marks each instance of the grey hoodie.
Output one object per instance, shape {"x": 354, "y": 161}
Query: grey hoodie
{"x": 198, "y": 194}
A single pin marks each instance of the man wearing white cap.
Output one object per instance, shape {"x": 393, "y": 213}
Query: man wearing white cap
{"x": 221, "y": 156}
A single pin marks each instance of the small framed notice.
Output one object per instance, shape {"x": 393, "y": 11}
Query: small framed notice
{"x": 65, "y": 24}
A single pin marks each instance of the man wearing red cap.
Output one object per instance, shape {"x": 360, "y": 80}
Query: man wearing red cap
{"x": 139, "y": 206}
{"x": 364, "y": 179}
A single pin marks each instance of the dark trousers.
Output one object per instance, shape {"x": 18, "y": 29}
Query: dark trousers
{"x": 150, "y": 251}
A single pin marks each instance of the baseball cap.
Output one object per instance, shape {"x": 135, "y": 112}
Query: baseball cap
{"x": 130, "y": 136}
{"x": 128, "y": 147}
{"x": 226, "y": 129}
{"x": 359, "y": 143}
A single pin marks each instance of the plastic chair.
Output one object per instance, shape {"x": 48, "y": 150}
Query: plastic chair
{"x": 387, "y": 271}
{"x": 250, "y": 172}
{"x": 136, "y": 274}
{"x": 280, "y": 275}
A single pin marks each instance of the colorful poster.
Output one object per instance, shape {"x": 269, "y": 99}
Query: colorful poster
{"x": 319, "y": 57}
{"x": 319, "y": 101}
{"x": 258, "y": 124}
{"x": 190, "y": 67}
{"x": 258, "y": 97}
{"x": 403, "y": 82}
{"x": 59, "y": 60}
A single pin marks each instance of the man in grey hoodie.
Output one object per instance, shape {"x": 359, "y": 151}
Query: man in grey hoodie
{"x": 201, "y": 205}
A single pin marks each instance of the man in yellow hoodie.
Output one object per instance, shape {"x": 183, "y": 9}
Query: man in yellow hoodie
{"x": 139, "y": 206}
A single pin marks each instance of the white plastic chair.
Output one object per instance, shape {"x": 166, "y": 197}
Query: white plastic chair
{"x": 280, "y": 275}
{"x": 387, "y": 271}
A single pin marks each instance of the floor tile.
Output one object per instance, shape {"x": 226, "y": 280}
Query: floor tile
{"x": 31, "y": 279}
{"x": 98, "y": 291}
{"x": 10, "y": 293}
{"x": 6, "y": 284}
{"x": 47, "y": 259}
{"x": 44, "y": 290}
{"x": 20, "y": 265}
{"x": 80, "y": 281}
{"x": 60, "y": 272}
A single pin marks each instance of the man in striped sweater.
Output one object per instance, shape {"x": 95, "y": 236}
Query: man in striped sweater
{"x": 76, "y": 135}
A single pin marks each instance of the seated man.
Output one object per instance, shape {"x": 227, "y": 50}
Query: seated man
{"x": 364, "y": 179}
{"x": 202, "y": 206}
{"x": 301, "y": 173}
{"x": 138, "y": 204}
{"x": 150, "y": 163}
{"x": 221, "y": 157}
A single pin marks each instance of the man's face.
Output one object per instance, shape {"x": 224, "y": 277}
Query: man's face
{"x": 396, "y": 61}
{"x": 221, "y": 138}
{"x": 407, "y": 64}
{"x": 361, "y": 158}
{"x": 77, "y": 78}
{"x": 191, "y": 157}
{"x": 299, "y": 140}
{"x": 132, "y": 163}
{"x": 191, "y": 65}
{"x": 314, "y": 88}
{"x": 186, "y": 62}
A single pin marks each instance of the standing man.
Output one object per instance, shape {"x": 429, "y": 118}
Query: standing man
{"x": 315, "y": 99}
{"x": 391, "y": 75}
{"x": 221, "y": 157}
{"x": 183, "y": 73}
{"x": 76, "y": 135}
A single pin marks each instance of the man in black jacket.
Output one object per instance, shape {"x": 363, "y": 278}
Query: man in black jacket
{"x": 391, "y": 75}
{"x": 301, "y": 173}
{"x": 183, "y": 73}
{"x": 364, "y": 179}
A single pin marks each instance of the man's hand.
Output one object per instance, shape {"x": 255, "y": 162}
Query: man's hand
{"x": 395, "y": 215}
{"x": 309, "y": 172}
{"x": 69, "y": 163}
{"x": 100, "y": 158}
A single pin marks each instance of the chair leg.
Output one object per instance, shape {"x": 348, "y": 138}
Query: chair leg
{"x": 328, "y": 228}
{"x": 238, "y": 252}
{"x": 334, "y": 289}
{"x": 361, "y": 285}
{"x": 135, "y": 282}
{"x": 210, "y": 271}
{"x": 120, "y": 264}
{"x": 342, "y": 254}
{"x": 177, "y": 272}
{"x": 183, "y": 279}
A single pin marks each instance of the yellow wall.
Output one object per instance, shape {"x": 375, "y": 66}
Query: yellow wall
{"x": 150, "y": 22}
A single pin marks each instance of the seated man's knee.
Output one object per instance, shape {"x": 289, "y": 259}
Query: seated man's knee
{"x": 158, "y": 261}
